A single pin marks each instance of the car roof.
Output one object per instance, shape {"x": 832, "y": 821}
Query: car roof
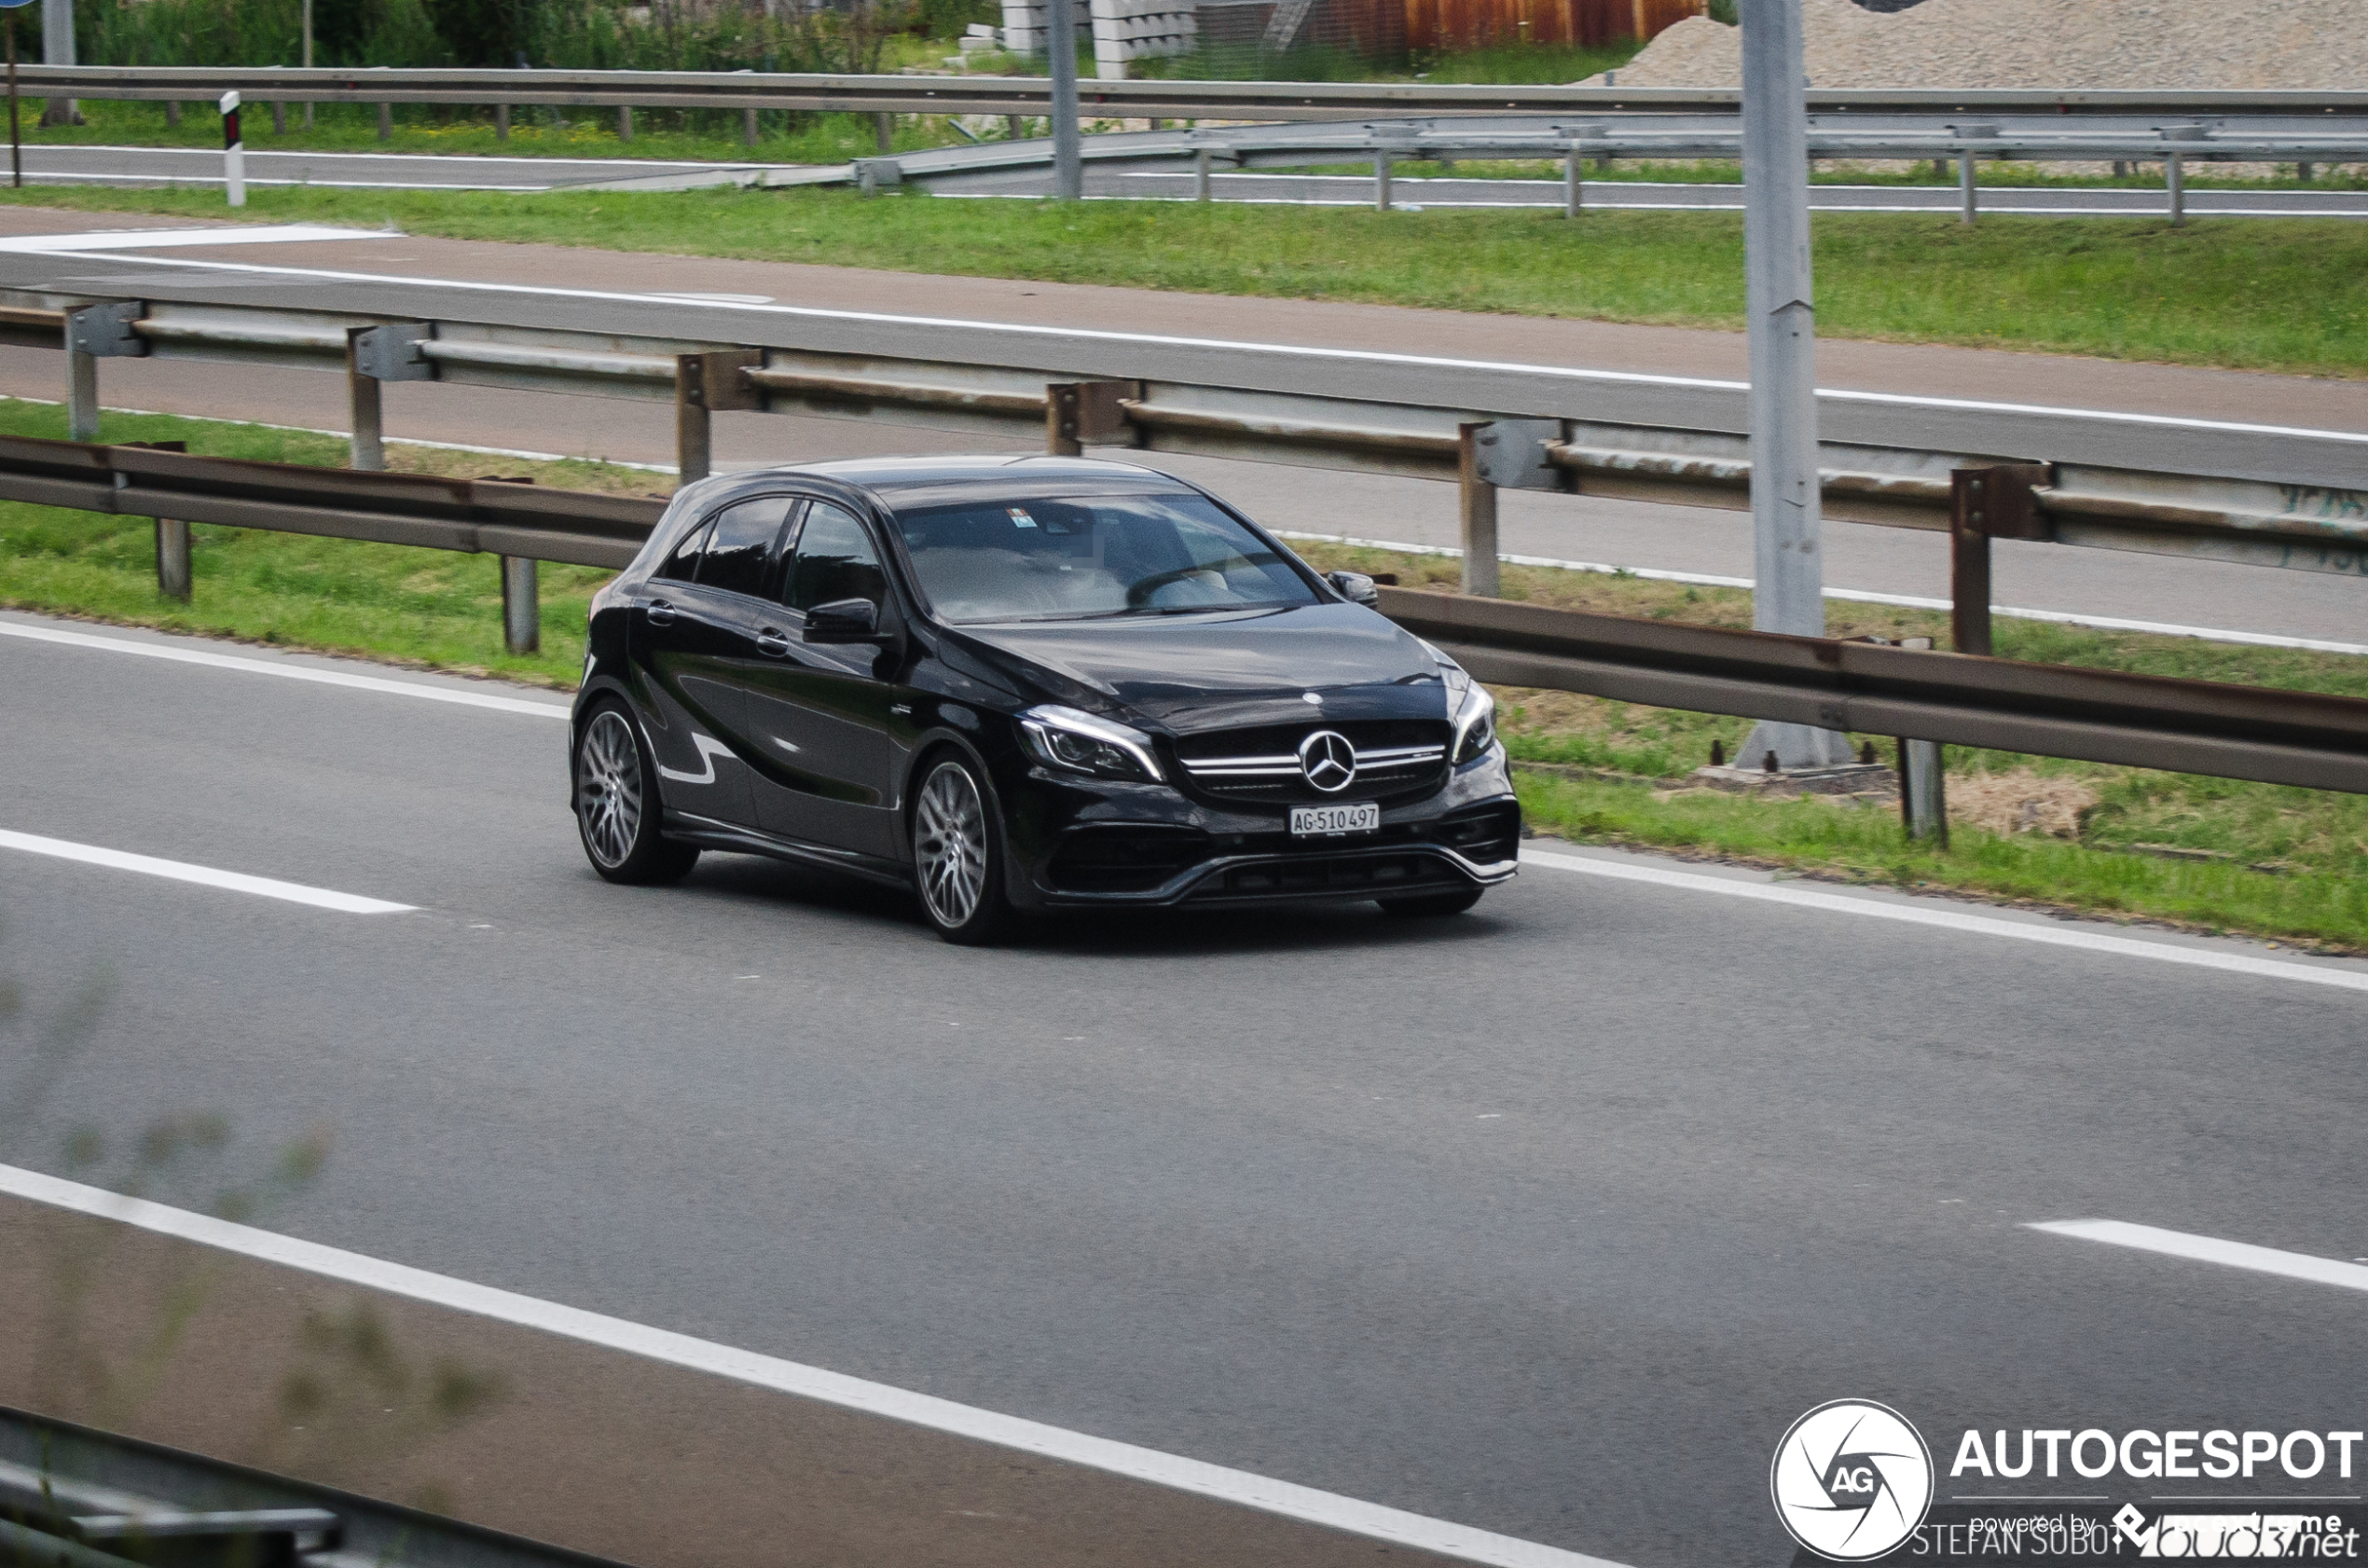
{"x": 885, "y": 476}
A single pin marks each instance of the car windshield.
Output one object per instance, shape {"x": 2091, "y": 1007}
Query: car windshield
{"x": 1085, "y": 557}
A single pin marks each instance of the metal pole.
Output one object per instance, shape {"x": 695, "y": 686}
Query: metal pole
{"x": 1200, "y": 191}
{"x": 1923, "y": 805}
{"x": 234, "y": 151}
{"x": 1476, "y": 502}
{"x": 1968, "y": 201}
{"x": 1381, "y": 182}
{"x": 367, "y": 451}
{"x": 1068, "y": 154}
{"x": 694, "y": 450}
{"x": 172, "y": 558}
{"x": 1789, "y": 570}
{"x": 625, "y": 122}
{"x": 1574, "y": 183}
{"x": 748, "y": 128}
{"x": 2175, "y": 174}
{"x": 386, "y": 122}
{"x": 308, "y": 56}
{"x": 1969, "y": 564}
{"x": 521, "y": 606}
{"x": 57, "y": 48}
{"x": 82, "y": 397}
{"x": 16, "y": 131}
{"x": 501, "y": 122}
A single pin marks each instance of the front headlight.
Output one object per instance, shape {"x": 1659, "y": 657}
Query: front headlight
{"x": 1475, "y": 724}
{"x": 1073, "y": 741}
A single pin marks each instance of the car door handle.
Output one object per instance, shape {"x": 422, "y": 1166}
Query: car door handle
{"x": 661, "y": 614}
{"x": 774, "y": 642}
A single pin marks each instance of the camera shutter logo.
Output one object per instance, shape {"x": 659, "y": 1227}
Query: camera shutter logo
{"x": 1851, "y": 1481}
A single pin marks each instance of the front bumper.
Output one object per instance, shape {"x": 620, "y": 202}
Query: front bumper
{"x": 1134, "y": 846}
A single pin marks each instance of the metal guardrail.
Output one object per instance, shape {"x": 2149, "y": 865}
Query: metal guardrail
{"x": 75, "y": 1497}
{"x": 1179, "y": 100}
{"x": 2049, "y": 711}
{"x": 2189, "y": 727}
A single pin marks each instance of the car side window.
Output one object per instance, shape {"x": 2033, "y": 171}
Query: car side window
{"x": 834, "y": 560}
{"x": 741, "y": 549}
{"x": 682, "y": 565}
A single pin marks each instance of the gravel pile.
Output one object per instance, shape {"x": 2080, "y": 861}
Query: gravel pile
{"x": 2160, "y": 44}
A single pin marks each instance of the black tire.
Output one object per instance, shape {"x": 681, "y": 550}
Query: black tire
{"x": 617, "y": 808}
{"x": 1430, "y": 906}
{"x": 957, "y": 855}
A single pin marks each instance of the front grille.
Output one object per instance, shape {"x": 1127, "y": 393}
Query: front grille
{"x": 1123, "y": 859}
{"x": 1397, "y": 760}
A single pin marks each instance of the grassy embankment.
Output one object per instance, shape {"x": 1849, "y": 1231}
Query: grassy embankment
{"x": 2290, "y": 864}
{"x": 2289, "y": 295}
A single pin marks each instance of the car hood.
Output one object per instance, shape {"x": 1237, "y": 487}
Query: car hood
{"x": 1222, "y": 671}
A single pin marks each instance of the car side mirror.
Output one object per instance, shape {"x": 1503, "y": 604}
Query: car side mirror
{"x": 1354, "y": 587}
{"x": 844, "y": 620}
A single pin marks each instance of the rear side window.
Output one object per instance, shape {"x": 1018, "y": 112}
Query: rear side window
{"x": 834, "y": 560}
{"x": 740, "y": 549}
{"x": 683, "y": 566}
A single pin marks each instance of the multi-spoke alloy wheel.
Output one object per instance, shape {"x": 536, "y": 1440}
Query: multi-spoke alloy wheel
{"x": 953, "y": 856}
{"x": 608, "y": 788}
{"x": 616, "y": 808}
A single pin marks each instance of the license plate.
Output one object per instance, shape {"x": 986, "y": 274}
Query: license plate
{"x": 1328, "y": 821}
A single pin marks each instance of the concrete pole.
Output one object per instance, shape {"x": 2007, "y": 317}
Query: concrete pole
{"x": 1068, "y": 157}
{"x": 57, "y": 48}
{"x": 1788, "y": 565}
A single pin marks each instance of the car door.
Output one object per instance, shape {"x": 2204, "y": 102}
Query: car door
{"x": 818, "y": 714}
{"x": 702, "y": 616}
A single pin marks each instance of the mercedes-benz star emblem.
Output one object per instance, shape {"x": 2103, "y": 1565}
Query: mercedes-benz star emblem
{"x": 1329, "y": 761}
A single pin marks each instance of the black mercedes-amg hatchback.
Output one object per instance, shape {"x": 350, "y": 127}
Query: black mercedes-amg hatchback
{"x": 1026, "y": 683}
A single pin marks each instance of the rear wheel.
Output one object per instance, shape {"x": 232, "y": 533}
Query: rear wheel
{"x": 1432, "y": 905}
{"x": 617, "y": 805}
{"x": 958, "y": 856}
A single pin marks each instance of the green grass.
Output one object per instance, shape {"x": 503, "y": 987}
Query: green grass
{"x": 2316, "y": 841}
{"x": 442, "y": 609}
{"x": 2290, "y": 294}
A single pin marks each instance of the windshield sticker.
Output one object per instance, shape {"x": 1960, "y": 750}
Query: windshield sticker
{"x": 1021, "y": 519}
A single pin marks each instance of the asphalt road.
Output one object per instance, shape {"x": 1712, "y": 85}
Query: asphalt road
{"x": 1548, "y": 1220}
{"x": 1289, "y": 340}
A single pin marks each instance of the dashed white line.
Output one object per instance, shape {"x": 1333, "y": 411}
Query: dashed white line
{"x": 2049, "y": 934}
{"x": 1328, "y": 1509}
{"x": 206, "y": 876}
{"x": 286, "y": 671}
{"x": 2212, "y": 1249}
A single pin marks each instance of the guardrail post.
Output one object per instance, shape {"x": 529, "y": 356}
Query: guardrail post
{"x": 625, "y": 122}
{"x": 1476, "y": 499}
{"x": 366, "y": 451}
{"x": 1573, "y": 181}
{"x": 94, "y": 333}
{"x": 386, "y": 122}
{"x": 521, "y": 606}
{"x": 1076, "y": 412}
{"x": 1923, "y": 795}
{"x": 884, "y": 132}
{"x": 172, "y": 558}
{"x": 2175, "y": 177}
{"x": 172, "y": 111}
{"x": 501, "y": 122}
{"x": 1200, "y": 191}
{"x": 1968, "y": 199}
{"x": 1986, "y": 504}
{"x": 278, "y": 119}
{"x": 748, "y": 128}
{"x": 704, "y": 383}
{"x": 1381, "y": 179}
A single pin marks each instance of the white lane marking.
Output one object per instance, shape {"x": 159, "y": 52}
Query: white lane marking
{"x": 1330, "y": 1510}
{"x": 2049, "y": 935}
{"x": 464, "y": 159}
{"x": 228, "y": 234}
{"x": 2212, "y": 1249}
{"x": 1231, "y": 346}
{"x": 1862, "y": 596}
{"x": 205, "y": 876}
{"x": 284, "y": 671}
{"x": 210, "y": 180}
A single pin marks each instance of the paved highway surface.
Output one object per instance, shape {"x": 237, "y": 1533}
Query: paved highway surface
{"x": 1546, "y": 1220}
{"x": 1881, "y": 389}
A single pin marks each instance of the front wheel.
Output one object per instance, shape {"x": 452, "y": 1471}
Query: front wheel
{"x": 1431, "y": 905}
{"x": 617, "y": 805}
{"x": 958, "y": 857}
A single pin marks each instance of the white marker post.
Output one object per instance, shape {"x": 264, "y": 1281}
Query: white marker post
{"x": 234, "y": 151}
